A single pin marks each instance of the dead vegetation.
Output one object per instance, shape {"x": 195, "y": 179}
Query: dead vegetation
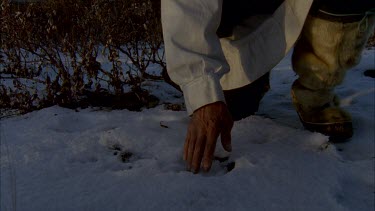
{"x": 76, "y": 52}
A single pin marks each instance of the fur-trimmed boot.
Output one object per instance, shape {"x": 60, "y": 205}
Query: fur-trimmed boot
{"x": 319, "y": 111}
{"x": 326, "y": 49}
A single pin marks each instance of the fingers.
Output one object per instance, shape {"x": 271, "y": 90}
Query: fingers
{"x": 190, "y": 150}
{"x": 210, "y": 149}
{"x": 226, "y": 137}
{"x": 194, "y": 149}
{"x": 226, "y": 141}
{"x": 204, "y": 129}
{"x": 198, "y": 153}
{"x": 186, "y": 145}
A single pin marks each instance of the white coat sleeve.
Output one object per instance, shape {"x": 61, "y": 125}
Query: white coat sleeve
{"x": 195, "y": 60}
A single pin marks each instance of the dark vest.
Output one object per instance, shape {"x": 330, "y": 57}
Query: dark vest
{"x": 236, "y": 11}
{"x": 341, "y": 10}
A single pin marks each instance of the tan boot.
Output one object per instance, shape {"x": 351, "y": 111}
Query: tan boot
{"x": 321, "y": 57}
{"x": 319, "y": 112}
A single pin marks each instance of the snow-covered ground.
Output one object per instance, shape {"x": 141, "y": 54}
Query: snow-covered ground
{"x": 60, "y": 159}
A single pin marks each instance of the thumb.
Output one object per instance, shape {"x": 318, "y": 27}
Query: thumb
{"x": 226, "y": 140}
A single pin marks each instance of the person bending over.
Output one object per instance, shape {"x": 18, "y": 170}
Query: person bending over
{"x": 220, "y": 53}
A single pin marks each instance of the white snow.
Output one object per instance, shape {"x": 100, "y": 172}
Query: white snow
{"x": 60, "y": 159}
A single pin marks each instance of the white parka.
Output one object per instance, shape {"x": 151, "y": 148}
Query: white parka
{"x": 204, "y": 65}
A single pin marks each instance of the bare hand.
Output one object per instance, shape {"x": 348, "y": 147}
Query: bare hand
{"x": 206, "y": 124}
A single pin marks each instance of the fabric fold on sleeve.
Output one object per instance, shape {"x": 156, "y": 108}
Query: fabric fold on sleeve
{"x": 195, "y": 59}
{"x": 202, "y": 91}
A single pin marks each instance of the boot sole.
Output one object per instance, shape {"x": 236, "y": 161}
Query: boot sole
{"x": 338, "y": 132}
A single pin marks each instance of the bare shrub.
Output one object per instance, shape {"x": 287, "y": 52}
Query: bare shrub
{"x": 69, "y": 50}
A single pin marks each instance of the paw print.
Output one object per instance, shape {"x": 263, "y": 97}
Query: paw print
{"x": 123, "y": 155}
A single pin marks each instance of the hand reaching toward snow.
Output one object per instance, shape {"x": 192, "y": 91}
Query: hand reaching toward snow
{"x": 204, "y": 129}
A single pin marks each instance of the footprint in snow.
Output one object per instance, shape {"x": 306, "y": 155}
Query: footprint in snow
{"x": 221, "y": 165}
{"x": 124, "y": 156}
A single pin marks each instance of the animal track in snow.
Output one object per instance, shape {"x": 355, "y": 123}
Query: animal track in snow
{"x": 123, "y": 155}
